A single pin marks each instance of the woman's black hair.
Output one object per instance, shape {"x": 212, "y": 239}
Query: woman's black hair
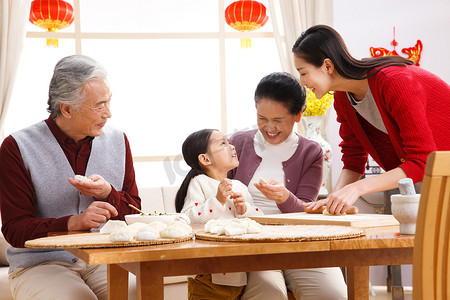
{"x": 194, "y": 145}
{"x": 284, "y": 88}
{"x": 321, "y": 41}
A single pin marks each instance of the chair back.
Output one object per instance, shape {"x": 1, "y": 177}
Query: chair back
{"x": 431, "y": 258}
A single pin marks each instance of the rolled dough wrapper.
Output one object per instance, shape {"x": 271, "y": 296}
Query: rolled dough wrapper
{"x": 262, "y": 180}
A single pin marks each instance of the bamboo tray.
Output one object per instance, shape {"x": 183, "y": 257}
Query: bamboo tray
{"x": 93, "y": 240}
{"x": 289, "y": 233}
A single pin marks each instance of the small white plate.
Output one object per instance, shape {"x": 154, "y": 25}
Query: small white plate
{"x": 168, "y": 218}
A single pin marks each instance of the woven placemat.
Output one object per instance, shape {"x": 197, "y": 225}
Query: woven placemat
{"x": 94, "y": 240}
{"x": 289, "y": 233}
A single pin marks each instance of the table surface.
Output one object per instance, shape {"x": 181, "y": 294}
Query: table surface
{"x": 381, "y": 246}
{"x": 376, "y": 238}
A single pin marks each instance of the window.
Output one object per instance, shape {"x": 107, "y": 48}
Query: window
{"x": 174, "y": 67}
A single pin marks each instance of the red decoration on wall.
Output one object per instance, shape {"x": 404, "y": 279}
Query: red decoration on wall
{"x": 245, "y": 16}
{"x": 51, "y": 15}
{"x": 412, "y": 52}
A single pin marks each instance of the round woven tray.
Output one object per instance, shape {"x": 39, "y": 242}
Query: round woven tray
{"x": 289, "y": 233}
{"x": 94, "y": 240}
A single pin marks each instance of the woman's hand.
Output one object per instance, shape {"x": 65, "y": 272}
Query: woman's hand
{"x": 224, "y": 190}
{"x": 273, "y": 190}
{"x": 315, "y": 204}
{"x": 239, "y": 203}
{"x": 339, "y": 201}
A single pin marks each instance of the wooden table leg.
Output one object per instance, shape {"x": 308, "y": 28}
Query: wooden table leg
{"x": 358, "y": 283}
{"x": 149, "y": 282}
{"x": 117, "y": 283}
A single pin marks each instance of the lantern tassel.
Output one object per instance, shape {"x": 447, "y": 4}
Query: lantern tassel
{"x": 52, "y": 43}
{"x": 246, "y": 43}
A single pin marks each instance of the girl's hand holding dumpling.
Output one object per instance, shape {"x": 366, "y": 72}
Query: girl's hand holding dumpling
{"x": 224, "y": 190}
{"x": 239, "y": 203}
{"x": 273, "y": 190}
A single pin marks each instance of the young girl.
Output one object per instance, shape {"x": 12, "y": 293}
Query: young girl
{"x": 206, "y": 193}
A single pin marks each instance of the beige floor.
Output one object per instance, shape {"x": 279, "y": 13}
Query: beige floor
{"x": 178, "y": 291}
{"x": 382, "y": 294}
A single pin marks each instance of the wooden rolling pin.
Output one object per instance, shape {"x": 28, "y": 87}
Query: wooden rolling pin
{"x": 350, "y": 211}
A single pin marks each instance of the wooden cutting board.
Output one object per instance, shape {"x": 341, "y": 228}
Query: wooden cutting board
{"x": 302, "y": 218}
{"x": 93, "y": 240}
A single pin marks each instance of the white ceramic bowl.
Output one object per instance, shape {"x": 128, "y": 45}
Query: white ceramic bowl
{"x": 168, "y": 218}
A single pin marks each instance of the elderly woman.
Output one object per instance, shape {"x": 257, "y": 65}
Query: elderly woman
{"x": 39, "y": 194}
{"x": 292, "y": 167}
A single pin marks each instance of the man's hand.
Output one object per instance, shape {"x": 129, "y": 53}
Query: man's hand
{"x": 98, "y": 188}
{"x": 273, "y": 190}
{"x": 97, "y": 213}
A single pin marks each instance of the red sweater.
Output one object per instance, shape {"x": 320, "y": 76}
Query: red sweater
{"x": 17, "y": 193}
{"x": 415, "y": 107}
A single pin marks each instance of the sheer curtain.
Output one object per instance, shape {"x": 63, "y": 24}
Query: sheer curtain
{"x": 13, "y": 18}
{"x": 290, "y": 18}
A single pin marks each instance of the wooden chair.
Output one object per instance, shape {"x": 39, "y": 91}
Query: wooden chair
{"x": 431, "y": 261}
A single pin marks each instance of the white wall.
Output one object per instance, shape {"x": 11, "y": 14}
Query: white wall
{"x": 367, "y": 23}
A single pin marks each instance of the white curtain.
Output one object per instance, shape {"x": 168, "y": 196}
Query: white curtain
{"x": 290, "y": 18}
{"x": 13, "y": 19}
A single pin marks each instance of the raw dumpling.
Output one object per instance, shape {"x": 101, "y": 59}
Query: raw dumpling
{"x": 113, "y": 225}
{"x": 82, "y": 178}
{"x": 122, "y": 235}
{"x": 157, "y": 225}
{"x": 176, "y": 230}
{"x": 234, "y": 228}
{"x": 146, "y": 235}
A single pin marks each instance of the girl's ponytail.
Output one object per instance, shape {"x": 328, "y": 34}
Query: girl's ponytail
{"x": 182, "y": 191}
{"x": 194, "y": 145}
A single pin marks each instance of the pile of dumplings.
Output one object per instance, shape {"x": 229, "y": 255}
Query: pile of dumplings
{"x": 233, "y": 226}
{"x": 119, "y": 231}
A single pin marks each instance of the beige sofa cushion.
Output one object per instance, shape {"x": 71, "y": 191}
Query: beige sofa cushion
{"x": 3, "y": 245}
{"x": 151, "y": 199}
{"x": 169, "y": 193}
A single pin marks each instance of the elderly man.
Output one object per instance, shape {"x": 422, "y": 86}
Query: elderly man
{"x": 38, "y": 191}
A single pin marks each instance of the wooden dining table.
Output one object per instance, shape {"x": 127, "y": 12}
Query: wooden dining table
{"x": 381, "y": 246}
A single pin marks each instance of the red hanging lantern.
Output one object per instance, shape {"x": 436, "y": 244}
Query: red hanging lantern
{"x": 245, "y": 16}
{"x": 51, "y": 15}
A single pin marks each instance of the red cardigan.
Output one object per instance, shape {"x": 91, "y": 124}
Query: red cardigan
{"x": 415, "y": 107}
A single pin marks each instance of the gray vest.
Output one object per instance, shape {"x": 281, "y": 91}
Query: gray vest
{"x": 55, "y": 196}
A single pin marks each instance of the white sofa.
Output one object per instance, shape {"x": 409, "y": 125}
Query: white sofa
{"x": 161, "y": 199}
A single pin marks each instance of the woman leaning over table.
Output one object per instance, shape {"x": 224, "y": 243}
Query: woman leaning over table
{"x": 292, "y": 165}
{"x": 386, "y": 107}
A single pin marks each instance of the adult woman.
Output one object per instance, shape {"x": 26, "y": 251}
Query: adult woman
{"x": 293, "y": 167}
{"x": 388, "y": 108}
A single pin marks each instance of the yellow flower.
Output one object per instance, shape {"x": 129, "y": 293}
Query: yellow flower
{"x": 317, "y": 107}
